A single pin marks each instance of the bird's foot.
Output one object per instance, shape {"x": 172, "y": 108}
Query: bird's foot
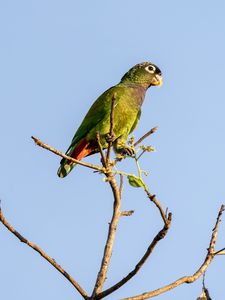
{"x": 127, "y": 150}
{"x": 110, "y": 138}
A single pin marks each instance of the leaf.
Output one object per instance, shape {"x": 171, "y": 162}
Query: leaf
{"x": 135, "y": 181}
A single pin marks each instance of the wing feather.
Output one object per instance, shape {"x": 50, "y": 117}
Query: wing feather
{"x": 97, "y": 112}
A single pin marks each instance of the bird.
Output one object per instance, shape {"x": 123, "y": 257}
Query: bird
{"x": 128, "y": 96}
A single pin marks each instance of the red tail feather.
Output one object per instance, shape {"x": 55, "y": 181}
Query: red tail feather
{"x": 82, "y": 149}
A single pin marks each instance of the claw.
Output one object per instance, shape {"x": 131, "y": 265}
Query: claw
{"x": 127, "y": 151}
{"x": 110, "y": 138}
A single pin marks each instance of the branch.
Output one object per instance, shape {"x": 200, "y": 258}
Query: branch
{"x": 111, "y": 134}
{"x": 187, "y": 279}
{"x": 44, "y": 255}
{"x": 57, "y": 152}
{"x": 220, "y": 252}
{"x": 121, "y": 185}
{"x": 145, "y": 135}
{"x": 159, "y": 236}
{"x": 110, "y": 238}
{"x": 101, "y": 150}
{"x": 157, "y": 204}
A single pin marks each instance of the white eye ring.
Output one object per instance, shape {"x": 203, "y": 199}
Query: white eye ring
{"x": 150, "y": 69}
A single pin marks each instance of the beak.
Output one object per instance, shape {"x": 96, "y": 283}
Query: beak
{"x": 157, "y": 80}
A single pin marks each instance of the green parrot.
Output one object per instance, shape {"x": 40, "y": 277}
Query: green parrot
{"x": 128, "y": 96}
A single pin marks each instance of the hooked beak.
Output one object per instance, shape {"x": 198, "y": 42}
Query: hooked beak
{"x": 157, "y": 80}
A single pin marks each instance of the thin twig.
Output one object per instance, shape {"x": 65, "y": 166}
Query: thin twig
{"x": 141, "y": 154}
{"x": 111, "y": 134}
{"x": 203, "y": 280}
{"x": 220, "y": 252}
{"x": 156, "y": 202}
{"x": 187, "y": 279}
{"x": 44, "y": 255}
{"x": 101, "y": 150}
{"x": 146, "y": 135}
{"x": 57, "y": 152}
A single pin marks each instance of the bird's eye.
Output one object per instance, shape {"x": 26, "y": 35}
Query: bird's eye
{"x": 150, "y": 69}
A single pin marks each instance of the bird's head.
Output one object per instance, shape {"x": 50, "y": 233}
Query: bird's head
{"x": 145, "y": 74}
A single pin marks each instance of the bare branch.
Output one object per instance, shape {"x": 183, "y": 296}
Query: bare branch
{"x": 141, "y": 154}
{"x": 157, "y": 204}
{"x": 187, "y": 279}
{"x": 121, "y": 184}
{"x": 111, "y": 134}
{"x": 203, "y": 280}
{"x": 57, "y": 152}
{"x": 220, "y": 252}
{"x": 111, "y": 236}
{"x": 44, "y": 255}
{"x": 145, "y": 136}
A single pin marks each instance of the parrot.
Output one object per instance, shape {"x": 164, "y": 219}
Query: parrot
{"x": 128, "y": 96}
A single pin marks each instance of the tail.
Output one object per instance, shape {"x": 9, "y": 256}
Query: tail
{"x": 65, "y": 168}
{"x": 79, "y": 151}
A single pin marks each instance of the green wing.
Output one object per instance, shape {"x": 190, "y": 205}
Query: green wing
{"x": 99, "y": 110}
{"x": 136, "y": 121}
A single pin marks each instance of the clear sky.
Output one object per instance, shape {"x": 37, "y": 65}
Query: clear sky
{"x": 56, "y": 57}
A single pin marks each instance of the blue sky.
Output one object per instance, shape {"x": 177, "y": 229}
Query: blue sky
{"x": 56, "y": 58}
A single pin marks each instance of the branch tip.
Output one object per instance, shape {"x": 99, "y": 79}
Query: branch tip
{"x": 35, "y": 139}
{"x": 151, "y": 131}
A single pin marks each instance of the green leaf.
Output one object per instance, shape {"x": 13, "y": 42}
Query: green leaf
{"x": 135, "y": 181}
